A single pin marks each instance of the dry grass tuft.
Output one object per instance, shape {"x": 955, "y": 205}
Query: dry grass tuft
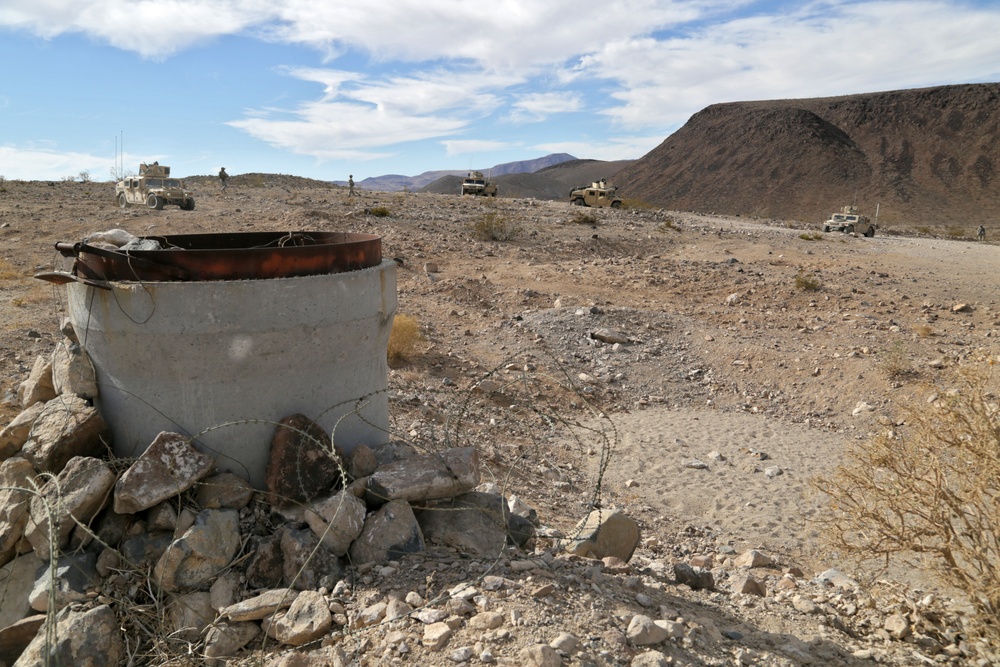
{"x": 927, "y": 496}
{"x": 494, "y": 226}
{"x": 404, "y": 338}
{"x": 808, "y": 282}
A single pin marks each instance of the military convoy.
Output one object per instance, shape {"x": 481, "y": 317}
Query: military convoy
{"x": 153, "y": 188}
{"x": 598, "y": 193}
{"x": 849, "y": 221}
{"x": 478, "y": 185}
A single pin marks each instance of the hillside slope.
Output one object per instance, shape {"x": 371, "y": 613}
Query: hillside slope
{"x": 925, "y": 156}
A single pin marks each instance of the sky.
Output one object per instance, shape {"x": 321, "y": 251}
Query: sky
{"x": 328, "y": 88}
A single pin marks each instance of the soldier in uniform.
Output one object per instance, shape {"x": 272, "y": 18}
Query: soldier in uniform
{"x": 350, "y": 185}
{"x": 223, "y": 178}
{"x": 981, "y": 233}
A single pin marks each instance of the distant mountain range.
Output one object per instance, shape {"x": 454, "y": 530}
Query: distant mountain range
{"x": 397, "y": 182}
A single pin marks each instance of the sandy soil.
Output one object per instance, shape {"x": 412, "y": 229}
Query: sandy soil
{"x": 729, "y": 361}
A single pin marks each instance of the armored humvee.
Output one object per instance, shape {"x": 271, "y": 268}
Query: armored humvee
{"x": 153, "y": 188}
{"x": 849, "y": 222}
{"x": 598, "y": 193}
{"x": 476, "y": 184}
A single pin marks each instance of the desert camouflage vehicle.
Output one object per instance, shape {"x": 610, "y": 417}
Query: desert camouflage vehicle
{"x": 153, "y": 188}
{"x": 598, "y": 193}
{"x": 849, "y": 222}
{"x": 476, "y": 184}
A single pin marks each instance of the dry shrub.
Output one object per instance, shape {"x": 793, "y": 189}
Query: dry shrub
{"x": 8, "y": 271}
{"x": 584, "y": 218}
{"x": 494, "y": 226}
{"x": 895, "y": 364}
{"x": 808, "y": 282}
{"x": 810, "y": 236}
{"x": 929, "y": 496}
{"x": 378, "y": 212}
{"x": 924, "y": 330}
{"x": 404, "y": 338}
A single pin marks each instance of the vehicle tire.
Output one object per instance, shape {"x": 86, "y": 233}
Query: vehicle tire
{"x": 870, "y": 232}
{"x": 122, "y": 201}
{"x": 578, "y": 202}
{"x": 187, "y": 205}
{"x": 849, "y": 229}
{"x": 616, "y": 204}
{"x": 154, "y": 202}
{"x": 826, "y": 228}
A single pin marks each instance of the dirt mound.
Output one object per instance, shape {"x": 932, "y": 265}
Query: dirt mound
{"x": 925, "y": 156}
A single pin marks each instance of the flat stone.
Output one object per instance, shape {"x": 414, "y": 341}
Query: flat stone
{"x": 224, "y": 491}
{"x": 168, "y": 467}
{"x": 605, "y": 533}
{"x": 260, "y": 606}
{"x": 337, "y": 521}
{"x": 83, "y": 638}
{"x": 389, "y": 533}
{"x": 303, "y": 462}
{"x": 15, "y": 434}
{"x": 201, "y": 553}
{"x": 67, "y": 427}
{"x": 76, "y": 495}
{"x": 72, "y": 371}
{"x": 425, "y": 477}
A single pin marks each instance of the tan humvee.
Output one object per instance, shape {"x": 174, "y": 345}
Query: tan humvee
{"x": 598, "y": 193}
{"x": 153, "y": 188}
{"x": 476, "y": 184}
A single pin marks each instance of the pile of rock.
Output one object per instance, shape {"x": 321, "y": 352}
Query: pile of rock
{"x": 82, "y": 534}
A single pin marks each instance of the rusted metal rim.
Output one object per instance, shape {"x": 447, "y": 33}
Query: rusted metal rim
{"x": 229, "y": 256}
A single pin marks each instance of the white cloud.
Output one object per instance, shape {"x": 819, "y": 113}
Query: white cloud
{"x": 536, "y": 107}
{"x": 154, "y": 29}
{"x": 356, "y": 115}
{"x": 40, "y": 163}
{"x": 848, "y": 48}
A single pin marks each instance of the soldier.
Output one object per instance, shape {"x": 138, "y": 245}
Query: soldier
{"x": 350, "y": 185}
{"x": 981, "y": 233}
{"x": 223, "y": 178}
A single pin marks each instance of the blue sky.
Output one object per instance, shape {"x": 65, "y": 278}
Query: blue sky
{"x": 328, "y": 88}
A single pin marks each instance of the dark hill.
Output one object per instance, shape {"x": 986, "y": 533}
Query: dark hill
{"x": 926, "y": 156}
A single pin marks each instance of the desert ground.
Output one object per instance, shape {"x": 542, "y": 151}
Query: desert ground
{"x": 750, "y": 353}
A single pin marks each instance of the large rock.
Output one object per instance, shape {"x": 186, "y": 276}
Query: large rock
{"x": 15, "y": 499}
{"x": 265, "y": 567}
{"x": 15, "y": 434}
{"x": 16, "y": 637}
{"x": 77, "y": 494}
{"x": 91, "y": 638}
{"x": 337, "y": 521}
{"x": 190, "y": 614}
{"x": 205, "y": 549}
{"x": 308, "y": 619}
{"x": 168, "y": 467}
{"x": 72, "y": 371}
{"x": 74, "y": 580}
{"x": 37, "y": 387}
{"x": 474, "y": 523}
{"x": 260, "y": 606}
{"x": 67, "y": 427}
{"x": 426, "y": 477}
{"x": 303, "y": 463}
{"x": 305, "y": 563}
{"x": 224, "y": 490}
{"x": 224, "y": 639}
{"x": 389, "y": 533}
{"x": 605, "y": 533}
{"x": 18, "y": 580}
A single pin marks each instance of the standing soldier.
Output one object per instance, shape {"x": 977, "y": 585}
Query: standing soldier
{"x": 223, "y": 178}
{"x": 350, "y": 185}
{"x": 981, "y": 233}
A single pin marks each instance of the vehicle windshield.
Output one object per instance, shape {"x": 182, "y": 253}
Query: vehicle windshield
{"x": 162, "y": 183}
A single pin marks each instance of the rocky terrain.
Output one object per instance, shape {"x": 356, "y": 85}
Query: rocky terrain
{"x": 553, "y": 352}
{"x": 926, "y": 156}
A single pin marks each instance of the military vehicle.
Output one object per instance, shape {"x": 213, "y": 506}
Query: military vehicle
{"x": 476, "y": 184}
{"x": 849, "y": 222}
{"x": 153, "y": 188}
{"x": 598, "y": 193}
